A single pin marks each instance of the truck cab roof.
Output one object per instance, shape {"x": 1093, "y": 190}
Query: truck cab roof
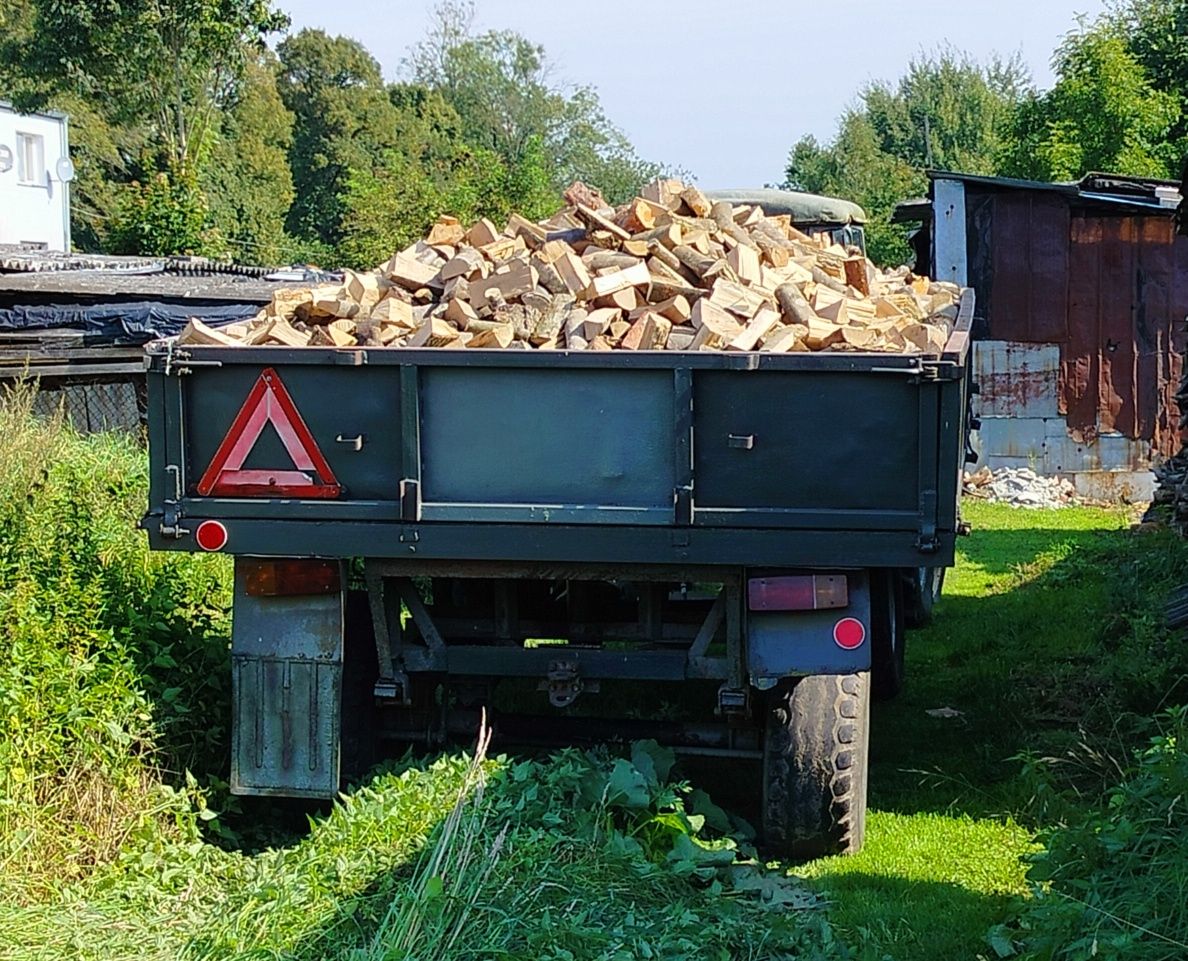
{"x": 801, "y": 207}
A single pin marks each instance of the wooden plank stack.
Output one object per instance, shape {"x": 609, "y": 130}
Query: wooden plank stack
{"x": 670, "y": 270}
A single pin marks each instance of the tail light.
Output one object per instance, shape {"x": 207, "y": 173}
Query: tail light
{"x": 279, "y": 578}
{"x": 798, "y": 592}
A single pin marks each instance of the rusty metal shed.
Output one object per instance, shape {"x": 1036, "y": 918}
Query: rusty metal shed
{"x": 1082, "y": 292}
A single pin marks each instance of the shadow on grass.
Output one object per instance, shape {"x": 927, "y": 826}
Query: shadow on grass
{"x": 1027, "y": 662}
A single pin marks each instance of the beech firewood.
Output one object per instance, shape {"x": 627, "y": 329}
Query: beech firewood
{"x": 795, "y": 308}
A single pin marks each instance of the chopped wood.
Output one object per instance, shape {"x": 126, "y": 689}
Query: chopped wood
{"x": 445, "y": 232}
{"x": 601, "y": 223}
{"x": 676, "y": 309}
{"x": 196, "y": 332}
{"x": 693, "y": 259}
{"x": 625, "y": 299}
{"x": 493, "y": 335}
{"x": 573, "y": 272}
{"x": 722, "y": 214}
{"x": 737, "y": 299}
{"x": 669, "y": 235}
{"x": 410, "y": 273}
{"x": 855, "y": 268}
{"x": 744, "y": 261}
{"x": 756, "y": 330}
{"x": 697, "y": 202}
{"x": 667, "y": 270}
{"x": 680, "y": 338}
{"x": 433, "y": 333}
{"x": 482, "y": 233}
{"x": 512, "y": 280}
{"x": 664, "y": 191}
{"x": 636, "y": 276}
{"x": 578, "y": 194}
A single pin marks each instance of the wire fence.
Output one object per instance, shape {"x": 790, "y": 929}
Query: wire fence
{"x": 95, "y": 405}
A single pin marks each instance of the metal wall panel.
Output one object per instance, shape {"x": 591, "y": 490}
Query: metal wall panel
{"x": 1109, "y": 291}
{"x": 1015, "y": 379}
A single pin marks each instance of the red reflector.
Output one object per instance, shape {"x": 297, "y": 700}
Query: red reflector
{"x": 285, "y": 577}
{"x": 211, "y": 536}
{"x": 799, "y": 592}
{"x": 849, "y": 633}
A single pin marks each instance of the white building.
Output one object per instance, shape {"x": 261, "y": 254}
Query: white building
{"x": 35, "y": 175}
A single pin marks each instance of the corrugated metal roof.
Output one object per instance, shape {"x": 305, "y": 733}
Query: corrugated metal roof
{"x": 1147, "y": 194}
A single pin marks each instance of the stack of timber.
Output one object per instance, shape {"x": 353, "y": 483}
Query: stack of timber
{"x": 670, "y": 270}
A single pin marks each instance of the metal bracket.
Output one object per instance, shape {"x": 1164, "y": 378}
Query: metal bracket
{"x": 733, "y": 701}
{"x": 181, "y": 362}
{"x": 564, "y": 683}
{"x": 394, "y": 689}
{"x": 171, "y": 521}
{"x": 171, "y": 507}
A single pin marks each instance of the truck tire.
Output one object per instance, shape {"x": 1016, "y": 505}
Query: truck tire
{"x": 888, "y": 637}
{"x": 814, "y": 765}
{"x": 922, "y": 589}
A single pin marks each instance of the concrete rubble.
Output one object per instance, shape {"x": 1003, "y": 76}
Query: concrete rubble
{"x": 1020, "y": 487}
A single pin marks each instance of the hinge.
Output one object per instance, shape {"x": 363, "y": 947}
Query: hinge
{"x": 181, "y": 361}
{"x": 927, "y": 541}
{"x": 171, "y": 514}
{"x": 683, "y": 504}
{"x": 932, "y": 371}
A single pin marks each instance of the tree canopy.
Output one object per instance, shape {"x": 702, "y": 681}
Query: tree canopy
{"x": 947, "y": 112}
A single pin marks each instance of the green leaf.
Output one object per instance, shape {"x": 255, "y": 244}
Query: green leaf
{"x": 653, "y": 760}
{"x": 627, "y": 787}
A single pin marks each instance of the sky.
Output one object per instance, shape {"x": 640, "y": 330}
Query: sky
{"x": 724, "y": 89}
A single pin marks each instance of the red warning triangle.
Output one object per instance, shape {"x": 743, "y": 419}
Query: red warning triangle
{"x": 268, "y": 402}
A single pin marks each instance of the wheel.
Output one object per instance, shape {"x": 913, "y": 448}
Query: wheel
{"x": 814, "y": 765}
{"x": 888, "y": 640}
{"x": 922, "y": 589}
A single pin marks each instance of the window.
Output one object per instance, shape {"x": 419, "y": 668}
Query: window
{"x": 30, "y": 159}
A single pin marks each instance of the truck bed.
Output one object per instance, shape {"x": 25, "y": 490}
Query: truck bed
{"x": 656, "y": 458}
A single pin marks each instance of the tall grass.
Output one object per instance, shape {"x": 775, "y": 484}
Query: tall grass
{"x": 97, "y": 633}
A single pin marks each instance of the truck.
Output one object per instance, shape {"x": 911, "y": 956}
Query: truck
{"x": 422, "y": 537}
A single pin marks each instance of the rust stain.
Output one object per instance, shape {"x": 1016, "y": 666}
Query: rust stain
{"x": 1112, "y": 292}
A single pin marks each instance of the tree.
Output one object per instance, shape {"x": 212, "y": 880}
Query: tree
{"x": 247, "y": 176}
{"x": 344, "y": 123}
{"x": 500, "y": 83}
{"x": 1102, "y": 114}
{"x": 173, "y": 63}
{"x": 946, "y": 112}
{"x": 856, "y": 167}
{"x": 433, "y": 171}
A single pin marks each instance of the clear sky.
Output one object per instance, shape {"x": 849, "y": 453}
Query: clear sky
{"x": 724, "y": 88}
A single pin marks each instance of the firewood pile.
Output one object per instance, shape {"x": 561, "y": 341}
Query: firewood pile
{"x": 670, "y": 270}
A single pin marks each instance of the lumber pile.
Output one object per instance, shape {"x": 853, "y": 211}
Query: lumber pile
{"x": 670, "y": 270}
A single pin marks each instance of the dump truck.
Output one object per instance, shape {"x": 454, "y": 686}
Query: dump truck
{"x": 422, "y": 537}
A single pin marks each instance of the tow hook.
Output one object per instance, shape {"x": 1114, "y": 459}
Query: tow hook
{"x": 564, "y": 683}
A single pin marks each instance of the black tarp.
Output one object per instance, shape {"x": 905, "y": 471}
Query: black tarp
{"x": 131, "y": 323}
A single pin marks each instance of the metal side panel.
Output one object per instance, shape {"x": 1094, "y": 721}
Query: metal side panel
{"x": 573, "y": 446}
{"x": 286, "y": 656}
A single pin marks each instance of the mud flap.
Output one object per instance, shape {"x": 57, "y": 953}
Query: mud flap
{"x": 796, "y": 643}
{"x": 286, "y": 656}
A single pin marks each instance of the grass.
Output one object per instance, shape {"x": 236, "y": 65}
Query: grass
{"x": 113, "y": 687}
{"x": 1046, "y": 637}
